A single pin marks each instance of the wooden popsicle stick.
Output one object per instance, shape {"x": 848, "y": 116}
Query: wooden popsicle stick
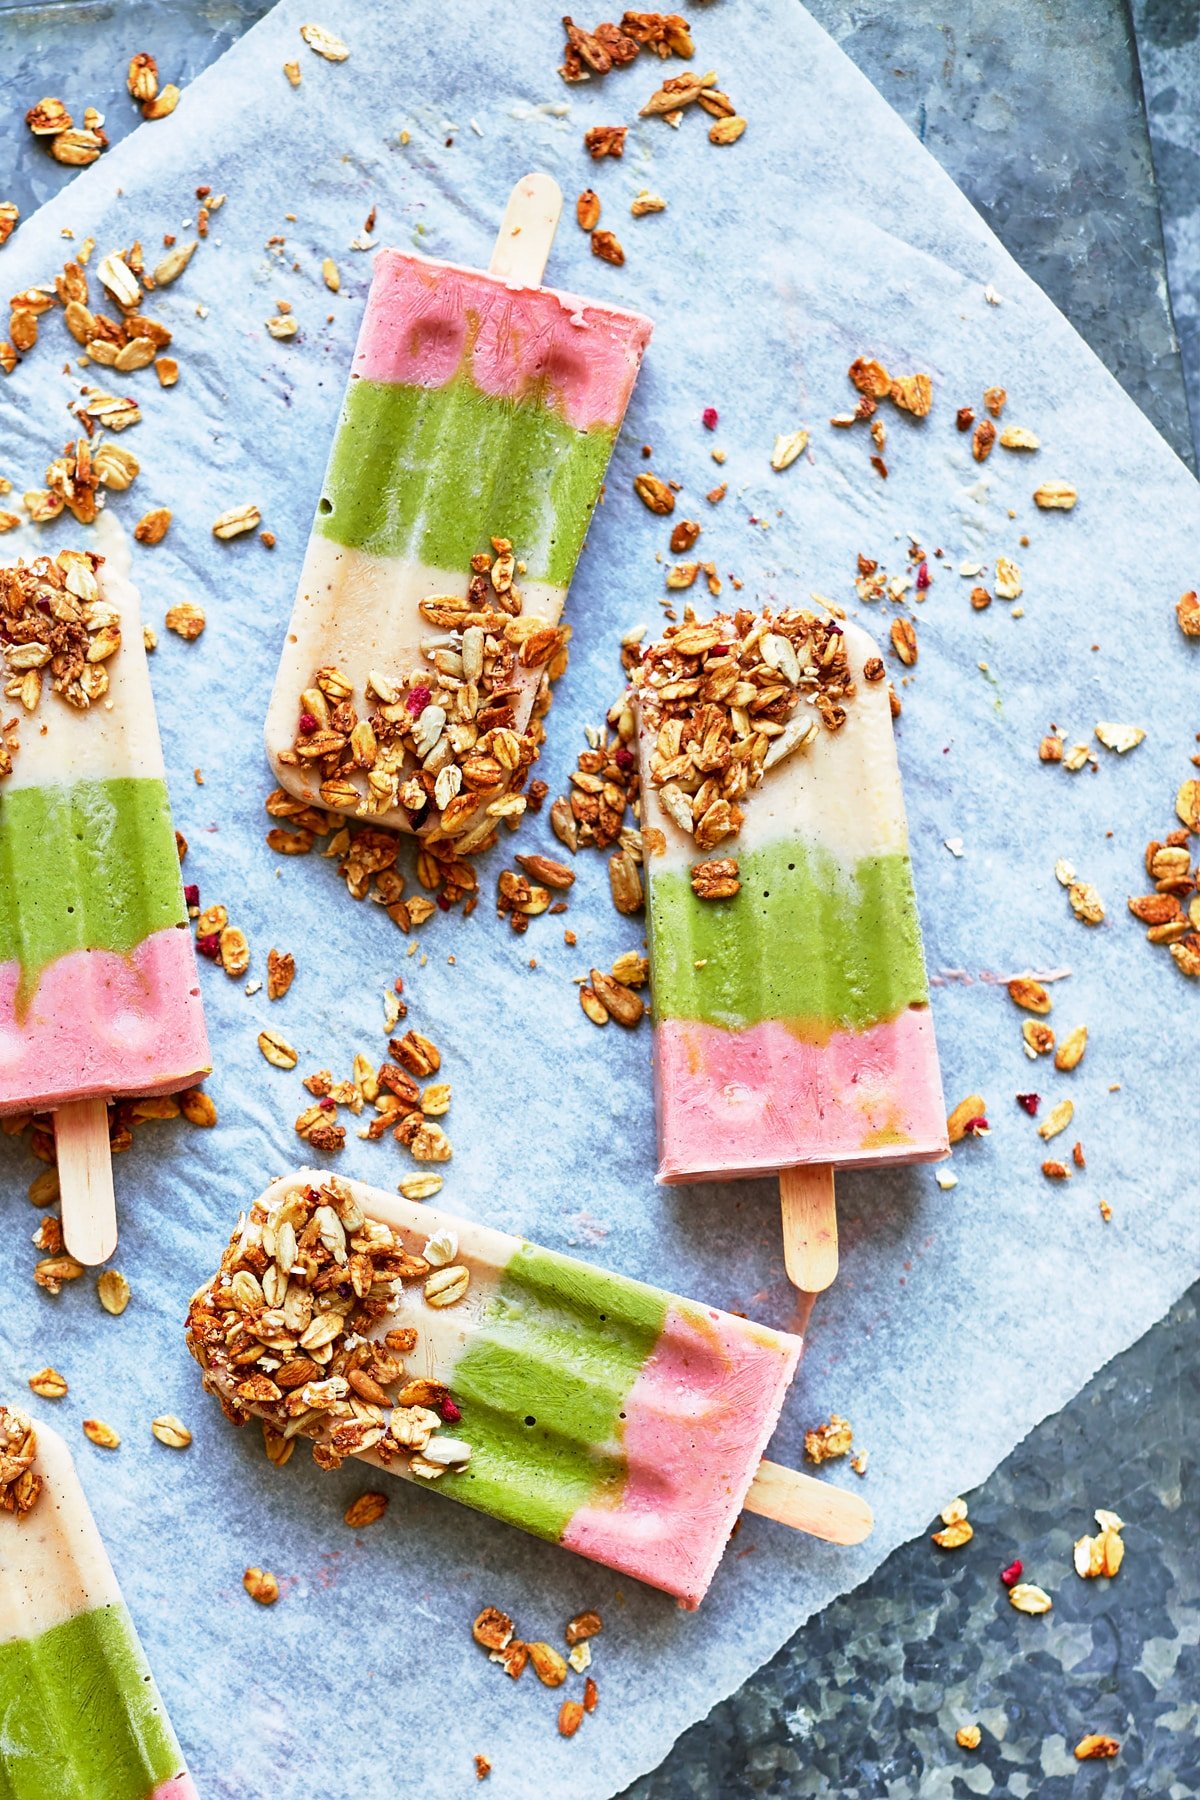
{"x": 89, "y": 1210}
{"x": 527, "y": 231}
{"x": 806, "y": 1504}
{"x": 810, "y": 1244}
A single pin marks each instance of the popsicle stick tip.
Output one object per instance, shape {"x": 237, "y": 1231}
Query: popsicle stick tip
{"x": 806, "y": 1504}
{"x": 810, "y": 1240}
{"x": 527, "y": 230}
{"x": 89, "y": 1210}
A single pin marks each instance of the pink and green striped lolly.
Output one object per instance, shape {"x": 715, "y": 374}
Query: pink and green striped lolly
{"x": 80, "y": 1716}
{"x": 480, "y": 405}
{"x": 594, "y": 1411}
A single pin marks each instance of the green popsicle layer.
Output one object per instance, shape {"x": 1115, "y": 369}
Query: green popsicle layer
{"x": 80, "y": 1717}
{"x": 434, "y": 473}
{"x": 88, "y": 866}
{"x": 808, "y": 942}
{"x": 542, "y": 1386}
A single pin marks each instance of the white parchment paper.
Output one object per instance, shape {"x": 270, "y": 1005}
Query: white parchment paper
{"x": 960, "y": 1318}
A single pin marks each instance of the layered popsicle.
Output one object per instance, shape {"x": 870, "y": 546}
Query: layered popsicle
{"x": 478, "y": 422}
{"x": 99, "y": 995}
{"x": 591, "y": 1410}
{"x": 80, "y": 1716}
{"x": 791, "y": 1010}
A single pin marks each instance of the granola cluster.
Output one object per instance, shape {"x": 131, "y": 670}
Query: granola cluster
{"x": 402, "y": 1107}
{"x": 589, "y": 53}
{"x": 366, "y": 856}
{"x": 126, "y": 343}
{"x": 495, "y": 1632}
{"x": 1171, "y": 914}
{"x": 19, "y": 1486}
{"x": 722, "y": 697}
{"x": 908, "y": 393}
{"x": 54, "y": 624}
{"x": 609, "y": 47}
{"x": 291, "y": 1331}
{"x": 441, "y": 742}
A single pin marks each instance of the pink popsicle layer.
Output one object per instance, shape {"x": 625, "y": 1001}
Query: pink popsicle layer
{"x": 101, "y": 1025}
{"x": 182, "y": 1787}
{"x": 697, "y": 1422}
{"x": 763, "y": 1099}
{"x": 425, "y": 321}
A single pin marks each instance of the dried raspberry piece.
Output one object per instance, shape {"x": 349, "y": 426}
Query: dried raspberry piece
{"x": 924, "y": 578}
{"x": 417, "y": 701}
{"x": 209, "y": 944}
{"x": 1030, "y": 1102}
{"x": 1012, "y": 1574}
{"x": 308, "y": 724}
{"x": 709, "y": 417}
{"x": 191, "y": 893}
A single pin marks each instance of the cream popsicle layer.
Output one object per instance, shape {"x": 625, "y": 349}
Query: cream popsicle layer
{"x": 792, "y": 1021}
{"x": 80, "y": 1716}
{"x": 98, "y": 988}
{"x": 591, "y": 1410}
{"x": 476, "y": 410}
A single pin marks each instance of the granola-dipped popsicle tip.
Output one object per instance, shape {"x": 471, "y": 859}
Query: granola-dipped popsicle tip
{"x": 481, "y": 412}
{"x": 594, "y": 1411}
{"x": 792, "y": 1019}
{"x": 80, "y": 1716}
{"x": 99, "y": 996}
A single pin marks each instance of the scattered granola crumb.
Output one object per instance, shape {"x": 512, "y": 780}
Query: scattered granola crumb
{"x": 1023, "y": 991}
{"x": 48, "y": 1384}
{"x": 324, "y": 43}
{"x": 185, "y": 619}
{"x": 1104, "y": 1553}
{"x": 171, "y": 1431}
{"x": 969, "y": 1119}
{"x": 368, "y": 1509}
{"x": 788, "y": 446}
{"x": 237, "y": 521}
{"x": 570, "y": 1717}
{"x": 1029, "y": 1599}
{"x": 1096, "y": 1746}
{"x": 605, "y": 140}
{"x": 113, "y": 1290}
{"x": 827, "y": 1442}
{"x": 549, "y": 1667}
{"x": 968, "y": 1737}
{"x": 957, "y": 1529}
{"x": 483, "y": 1767}
{"x": 261, "y": 1585}
{"x": 281, "y": 972}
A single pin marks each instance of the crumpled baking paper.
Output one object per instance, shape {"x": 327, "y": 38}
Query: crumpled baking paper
{"x": 960, "y": 1318}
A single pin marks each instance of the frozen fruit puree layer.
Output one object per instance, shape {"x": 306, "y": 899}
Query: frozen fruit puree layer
{"x": 595, "y": 1411}
{"x": 475, "y": 411}
{"x": 80, "y": 1716}
{"x": 98, "y": 988}
{"x": 792, "y": 1020}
